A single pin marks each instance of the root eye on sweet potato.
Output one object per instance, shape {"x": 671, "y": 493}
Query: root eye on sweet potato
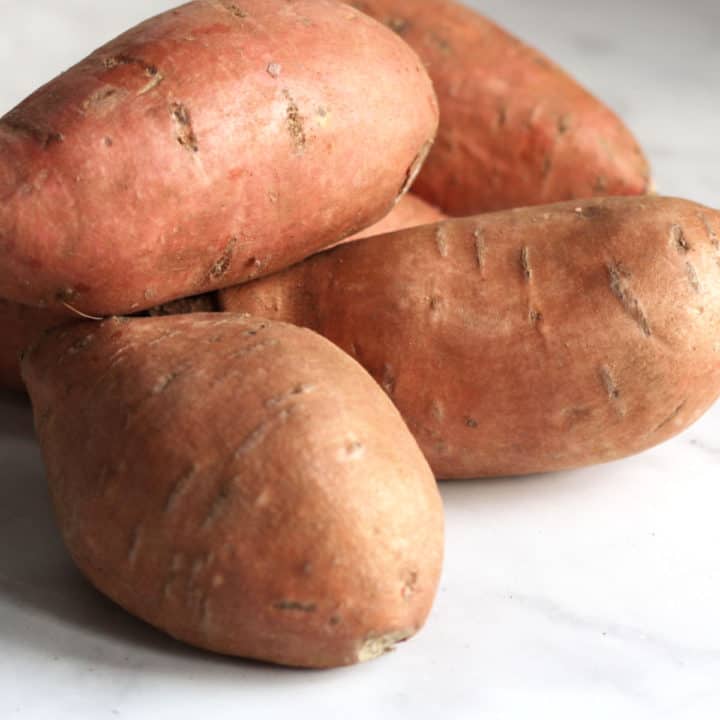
{"x": 204, "y": 147}
{"x": 515, "y": 129}
{"x": 240, "y": 484}
{"x": 528, "y": 340}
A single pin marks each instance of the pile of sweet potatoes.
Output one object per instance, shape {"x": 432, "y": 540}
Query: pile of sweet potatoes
{"x": 250, "y": 351}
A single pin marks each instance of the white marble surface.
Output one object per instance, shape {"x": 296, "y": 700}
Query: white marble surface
{"x": 591, "y": 594}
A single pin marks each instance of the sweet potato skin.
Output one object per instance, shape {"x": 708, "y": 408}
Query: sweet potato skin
{"x": 410, "y": 211}
{"x": 206, "y": 146}
{"x": 529, "y": 340}
{"x": 21, "y": 325}
{"x": 242, "y": 485}
{"x": 515, "y": 129}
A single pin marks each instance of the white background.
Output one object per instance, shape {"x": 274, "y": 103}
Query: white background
{"x": 591, "y": 594}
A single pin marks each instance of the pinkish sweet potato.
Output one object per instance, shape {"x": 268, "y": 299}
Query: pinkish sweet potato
{"x": 527, "y": 340}
{"x": 410, "y": 211}
{"x": 208, "y": 145}
{"x": 242, "y": 485}
{"x": 515, "y": 129}
{"x": 20, "y": 326}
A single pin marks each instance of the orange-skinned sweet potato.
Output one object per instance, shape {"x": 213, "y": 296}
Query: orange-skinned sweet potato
{"x": 515, "y": 129}
{"x": 242, "y": 485}
{"x": 20, "y": 326}
{"x": 529, "y": 340}
{"x": 211, "y": 144}
{"x": 410, "y": 211}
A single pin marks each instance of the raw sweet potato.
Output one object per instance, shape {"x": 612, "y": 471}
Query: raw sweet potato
{"x": 515, "y": 129}
{"x": 410, "y": 211}
{"x": 211, "y": 144}
{"x": 528, "y": 340}
{"x": 242, "y": 485}
{"x": 20, "y": 325}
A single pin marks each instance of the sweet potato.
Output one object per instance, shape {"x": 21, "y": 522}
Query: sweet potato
{"x": 410, "y": 211}
{"x": 211, "y": 144}
{"x": 528, "y": 340}
{"x": 242, "y": 485}
{"x": 20, "y": 325}
{"x": 515, "y": 129}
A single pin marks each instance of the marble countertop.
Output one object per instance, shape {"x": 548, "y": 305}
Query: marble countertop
{"x": 588, "y": 594}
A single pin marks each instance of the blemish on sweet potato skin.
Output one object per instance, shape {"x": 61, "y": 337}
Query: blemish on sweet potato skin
{"x": 185, "y": 133}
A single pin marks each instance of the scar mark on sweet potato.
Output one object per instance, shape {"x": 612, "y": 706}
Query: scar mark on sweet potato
{"x": 274, "y": 69}
{"x": 441, "y": 241}
{"x": 410, "y": 583}
{"x": 249, "y": 349}
{"x": 388, "y": 380}
{"x": 179, "y": 489}
{"x": 354, "y": 450}
{"x": 154, "y": 81}
{"x": 563, "y": 124}
{"x": 672, "y": 416}
{"x": 299, "y": 389}
{"x": 217, "y": 508}
{"x": 164, "y": 382}
{"x": 234, "y": 9}
{"x": 295, "y": 124}
{"x": 415, "y": 168}
{"x": 398, "y": 25}
{"x": 693, "y": 277}
{"x": 480, "y": 248}
{"x": 294, "y": 605}
{"x": 535, "y": 317}
{"x": 99, "y": 98}
{"x": 45, "y": 138}
{"x": 258, "y": 434}
{"x": 135, "y": 544}
{"x": 185, "y": 134}
{"x": 117, "y": 60}
{"x": 223, "y": 263}
{"x": 436, "y": 303}
{"x": 619, "y": 287}
{"x": 525, "y": 263}
{"x": 679, "y": 240}
{"x": 440, "y": 42}
{"x": 502, "y": 116}
{"x": 471, "y": 422}
{"x": 611, "y": 388}
{"x": 712, "y": 235}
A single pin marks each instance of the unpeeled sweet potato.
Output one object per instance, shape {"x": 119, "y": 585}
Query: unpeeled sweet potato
{"x": 21, "y": 324}
{"x": 515, "y": 129}
{"x": 528, "y": 340}
{"x": 410, "y": 211}
{"x": 211, "y": 144}
{"x": 242, "y": 485}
